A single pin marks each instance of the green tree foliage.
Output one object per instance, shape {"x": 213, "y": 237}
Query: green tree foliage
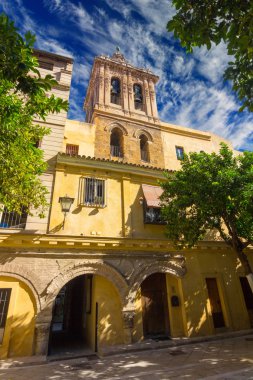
{"x": 211, "y": 192}
{"x": 203, "y": 22}
{"x": 23, "y": 97}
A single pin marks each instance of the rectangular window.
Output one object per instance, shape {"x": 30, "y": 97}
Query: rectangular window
{"x": 46, "y": 65}
{"x": 4, "y": 306}
{"x": 152, "y": 215}
{"x": 92, "y": 192}
{"x": 72, "y": 149}
{"x": 11, "y": 219}
{"x": 179, "y": 152}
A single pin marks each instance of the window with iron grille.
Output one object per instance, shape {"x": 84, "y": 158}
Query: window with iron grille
{"x": 12, "y": 219}
{"x": 92, "y": 192}
{"x": 5, "y": 294}
{"x": 72, "y": 149}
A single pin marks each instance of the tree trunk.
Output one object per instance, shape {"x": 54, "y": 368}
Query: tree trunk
{"x": 246, "y": 265}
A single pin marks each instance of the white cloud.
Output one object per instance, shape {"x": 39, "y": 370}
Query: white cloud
{"x": 190, "y": 92}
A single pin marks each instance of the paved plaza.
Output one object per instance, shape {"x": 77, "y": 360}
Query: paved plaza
{"x": 223, "y": 359}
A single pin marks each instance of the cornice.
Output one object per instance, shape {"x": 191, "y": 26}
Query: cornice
{"x": 16, "y": 241}
{"x": 111, "y": 165}
{"x": 183, "y": 131}
{"x": 129, "y": 119}
{"x": 43, "y": 53}
{"x": 127, "y": 66}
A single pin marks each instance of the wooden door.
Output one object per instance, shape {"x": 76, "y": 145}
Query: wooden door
{"x": 248, "y": 297}
{"x": 214, "y": 298}
{"x": 155, "y": 305}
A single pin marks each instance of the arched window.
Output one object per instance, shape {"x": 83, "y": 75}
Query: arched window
{"x": 115, "y": 91}
{"x": 116, "y": 143}
{"x": 138, "y": 98}
{"x": 144, "y": 148}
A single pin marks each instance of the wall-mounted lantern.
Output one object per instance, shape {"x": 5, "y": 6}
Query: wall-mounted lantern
{"x": 66, "y": 203}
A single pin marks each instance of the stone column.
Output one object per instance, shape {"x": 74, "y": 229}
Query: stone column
{"x": 125, "y": 94}
{"x": 153, "y": 99}
{"x": 130, "y": 92}
{"x": 42, "y": 330}
{"x": 147, "y": 98}
{"x": 107, "y": 86}
{"x": 101, "y": 97}
{"x": 128, "y": 325}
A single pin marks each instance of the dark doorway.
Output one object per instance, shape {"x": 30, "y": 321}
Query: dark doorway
{"x": 155, "y": 306}
{"x": 248, "y": 297}
{"x": 215, "y": 302}
{"x": 68, "y": 333}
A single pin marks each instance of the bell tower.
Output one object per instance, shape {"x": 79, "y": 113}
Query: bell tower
{"x": 117, "y": 86}
{"x": 121, "y": 102}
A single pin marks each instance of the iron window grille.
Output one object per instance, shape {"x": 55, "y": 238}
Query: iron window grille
{"x": 5, "y": 295}
{"x": 12, "y": 219}
{"x": 92, "y": 192}
{"x": 179, "y": 152}
{"x": 72, "y": 150}
{"x": 116, "y": 151}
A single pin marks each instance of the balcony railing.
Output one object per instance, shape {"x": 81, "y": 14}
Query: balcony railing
{"x": 138, "y": 106}
{"x": 116, "y": 151}
{"x": 144, "y": 156}
{"x": 115, "y": 99}
{"x": 11, "y": 219}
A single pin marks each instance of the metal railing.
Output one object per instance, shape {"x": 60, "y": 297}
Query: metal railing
{"x": 115, "y": 99}
{"x": 138, "y": 106}
{"x": 116, "y": 151}
{"x": 144, "y": 155}
{"x": 11, "y": 219}
{"x": 72, "y": 150}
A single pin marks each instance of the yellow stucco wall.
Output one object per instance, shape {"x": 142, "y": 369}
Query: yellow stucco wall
{"x": 226, "y": 269}
{"x": 81, "y": 134}
{"x": 110, "y": 325}
{"x": 19, "y": 329}
{"x": 122, "y": 215}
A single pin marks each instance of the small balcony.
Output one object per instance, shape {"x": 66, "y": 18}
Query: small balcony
{"x": 116, "y": 151}
{"x": 144, "y": 155}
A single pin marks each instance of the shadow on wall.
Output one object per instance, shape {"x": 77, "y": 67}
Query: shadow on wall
{"x": 21, "y": 341}
{"x": 134, "y": 221}
{"x": 206, "y": 305}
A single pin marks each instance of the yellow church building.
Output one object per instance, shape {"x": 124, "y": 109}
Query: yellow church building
{"x": 97, "y": 271}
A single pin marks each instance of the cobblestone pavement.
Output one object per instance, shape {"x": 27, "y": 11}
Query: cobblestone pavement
{"x": 224, "y": 359}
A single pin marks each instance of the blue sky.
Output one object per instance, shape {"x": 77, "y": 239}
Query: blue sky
{"x": 191, "y": 91}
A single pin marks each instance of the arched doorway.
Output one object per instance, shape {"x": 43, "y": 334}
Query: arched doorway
{"x": 155, "y": 312}
{"x": 87, "y": 314}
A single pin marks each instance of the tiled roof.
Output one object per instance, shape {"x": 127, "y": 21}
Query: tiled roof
{"x": 113, "y": 162}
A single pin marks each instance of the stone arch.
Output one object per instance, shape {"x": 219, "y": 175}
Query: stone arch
{"x": 69, "y": 273}
{"x": 113, "y": 125}
{"x": 144, "y": 132}
{"x": 175, "y": 267}
{"x": 24, "y": 275}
